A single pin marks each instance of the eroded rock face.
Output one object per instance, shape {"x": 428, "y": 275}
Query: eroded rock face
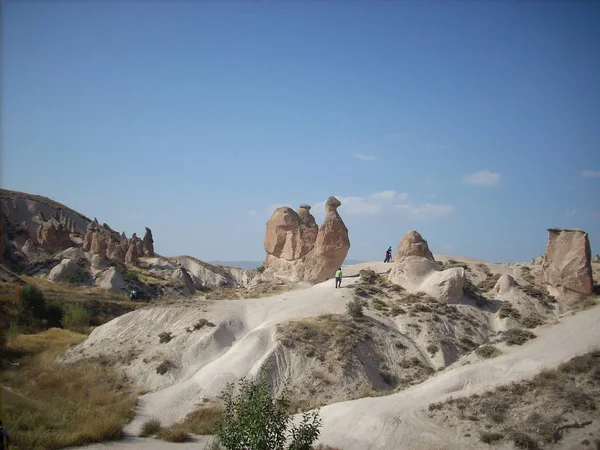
{"x": 62, "y": 272}
{"x": 415, "y": 270}
{"x": 148, "y": 243}
{"x": 298, "y": 250}
{"x": 185, "y": 281}
{"x": 53, "y": 236}
{"x": 111, "y": 279}
{"x": 567, "y": 261}
{"x": 131, "y": 257}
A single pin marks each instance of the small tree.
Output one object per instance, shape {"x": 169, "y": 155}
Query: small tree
{"x": 355, "y": 308}
{"x": 32, "y": 300}
{"x": 254, "y": 419}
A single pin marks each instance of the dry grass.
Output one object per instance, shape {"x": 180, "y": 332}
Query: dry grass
{"x": 532, "y": 321}
{"x": 150, "y": 428}
{"x": 203, "y": 420}
{"x": 532, "y": 413}
{"x": 174, "y": 434}
{"x": 517, "y": 336}
{"x": 488, "y": 351}
{"x": 258, "y": 291}
{"x": 53, "y": 406}
{"x": 507, "y": 310}
{"x": 489, "y": 282}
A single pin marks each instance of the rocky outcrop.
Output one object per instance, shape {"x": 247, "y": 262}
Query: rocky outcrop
{"x": 184, "y": 282}
{"x": 567, "y": 261}
{"x": 111, "y": 279}
{"x": 67, "y": 270}
{"x": 415, "y": 270}
{"x": 29, "y": 250}
{"x": 298, "y": 250}
{"x": 148, "y": 243}
{"x": 53, "y": 236}
{"x": 131, "y": 257}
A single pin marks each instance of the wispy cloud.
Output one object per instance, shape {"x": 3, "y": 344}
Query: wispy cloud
{"x": 571, "y": 213}
{"x": 388, "y": 202}
{"x": 483, "y": 178}
{"x": 365, "y": 157}
{"x": 590, "y": 173}
{"x": 427, "y": 211}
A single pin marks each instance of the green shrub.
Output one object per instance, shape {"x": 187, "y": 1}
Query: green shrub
{"x": 33, "y": 300}
{"x": 132, "y": 275}
{"x": 261, "y": 268}
{"x": 75, "y": 317}
{"x": 253, "y": 418}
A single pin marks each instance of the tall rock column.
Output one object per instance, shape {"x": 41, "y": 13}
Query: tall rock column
{"x": 567, "y": 261}
{"x": 148, "y": 243}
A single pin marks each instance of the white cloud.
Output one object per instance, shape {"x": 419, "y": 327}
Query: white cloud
{"x": 482, "y": 178}
{"x": 590, "y": 173}
{"x": 370, "y": 205}
{"x": 387, "y": 202}
{"x": 427, "y": 211}
{"x": 365, "y": 157}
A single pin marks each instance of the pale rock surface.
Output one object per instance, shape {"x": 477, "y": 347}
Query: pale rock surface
{"x": 567, "y": 261}
{"x": 111, "y": 279}
{"x": 415, "y": 270}
{"x": 299, "y": 251}
{"x": 184, "y": 278}
{"x": 29, "y": 250}
{"x": 61, "y": 272}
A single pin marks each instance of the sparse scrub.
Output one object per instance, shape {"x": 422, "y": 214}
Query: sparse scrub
{"x": 165, "y": 337}
{"x": 199, "y": 325}
{"x": 532, "y": 321}
{"x": 254, "y": 418}
{"x": 62, "y": 406}
{"x": 396, "y": 310}
{"x": 261, "y": 268}
{"x": 539, "y": 294}
{"x": 399, "y": 345}
{"x": 150, "y": 428}
{"x": 523, "y": 440}
{"x": 379, "y": 304}
{"x": 164, "y": 367}
{"x": 507, "y": 310}
{"x": 526, "y": 274}
{"x": 203, "y": 420}
{"x": 174, "y": 434}
{"x": 76, "y": 318}
{"x": 489, "y": 282}
{"x": 355, "y": 308}
{"x": 488, "y": 351}
{"x": 132, "y": 275}
{"x": 488, "y": 437}
{"x": 432, "y": 349}
{"x": 517, "y": 336}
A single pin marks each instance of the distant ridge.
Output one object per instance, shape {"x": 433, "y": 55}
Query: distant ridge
{"x": 240, "y": 264}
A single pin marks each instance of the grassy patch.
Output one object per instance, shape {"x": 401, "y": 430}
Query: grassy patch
{"x": 489, "y": 282}
{"x": 150, "y": 428}
{"x": 199, "y": 325}
{"x": 532, "y": 321}
{"x": 53, "y": 406}
{"x": 539, "y": 294}
{"x": 174, "y": 434}
{"x": 488, "y": 351}
{"x": 507, "y": 310}
{"x": 517, "y": 336}
{"x": 203, "y": 420}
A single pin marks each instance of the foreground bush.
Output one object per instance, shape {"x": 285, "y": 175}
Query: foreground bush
{"x": 150, "y": 428}
{"x": 254, "y": 418}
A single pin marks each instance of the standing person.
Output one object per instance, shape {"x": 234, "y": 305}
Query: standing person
{"x": 388, "y": 255}
{"x": 4, "y": 439}
{"x": 338, "y": 278}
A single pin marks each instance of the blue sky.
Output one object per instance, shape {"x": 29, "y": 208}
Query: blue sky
{"x": 475, "y": 123}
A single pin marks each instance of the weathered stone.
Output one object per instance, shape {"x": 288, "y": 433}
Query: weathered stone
{"x": 186, "y": 287}
{"x": 415, "y": 270}
{"x": 298, "y": 250}
{"x": 53, "y": 236}
{"x": 567, "y": 261}
{"x": 66, "y": 270}
{"x": 131, "y": 257}
{"x": 99, "y": 243}
{"x": 111, "y": 279}
{"x": 148, "y": 243}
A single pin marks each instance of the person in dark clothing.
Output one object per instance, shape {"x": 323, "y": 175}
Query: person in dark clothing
{"x": 388, "y": 255}
{"x": 4, "y": 439}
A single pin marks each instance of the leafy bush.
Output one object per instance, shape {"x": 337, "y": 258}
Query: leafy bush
{"x": 75, "y": 317}
{"x": 132, "y": 275}
{"x": 33, "y": 300}
{"x": 150, "y": 428}
{"x": 253, "y": 418}
{"x": 355, "y": 308}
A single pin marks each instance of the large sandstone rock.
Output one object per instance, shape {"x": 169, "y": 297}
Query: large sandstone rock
{"x": 111, "y": 279}
{"x": 415, "y": 270}
{"x": 66, "y": 270}
{"x": 53, "y": 236}
{"x": 567, "y": 261}
{"x": 298, "y": 250}
{"x": 132, "y": 253}
{"x": 148, "y": 243}
{"x": 184, "y": 281}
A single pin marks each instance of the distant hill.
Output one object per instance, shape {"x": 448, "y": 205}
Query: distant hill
{"x": 255, "y": 264}
{"x": 240, "y": 264}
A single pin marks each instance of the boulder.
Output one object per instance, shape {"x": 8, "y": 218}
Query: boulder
{"x": 567, "y": 261}
{"x": 66, "y": 270}
{"x": 148, "y": 243}
{"x": 415, "y": 270}
{"x": 184, "y": 281}
{"x": 298, "y": 250}
{"x": 53, "y": 236}
{"x": 111, "y": 279}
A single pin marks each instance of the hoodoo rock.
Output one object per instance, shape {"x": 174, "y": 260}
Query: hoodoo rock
{"x": 148, "y": 243}
{"x": 567, "y": 261}
{"x": 53, "y": 235}
{"x": 298, "y": 250}
{"x": 415, "y": 269}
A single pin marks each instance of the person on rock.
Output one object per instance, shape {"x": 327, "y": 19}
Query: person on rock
{"x": 338, "y": 278}
{"x": 388, "y": 255}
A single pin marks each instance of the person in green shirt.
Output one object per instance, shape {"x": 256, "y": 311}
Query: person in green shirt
{"x": 338, "y": 278}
